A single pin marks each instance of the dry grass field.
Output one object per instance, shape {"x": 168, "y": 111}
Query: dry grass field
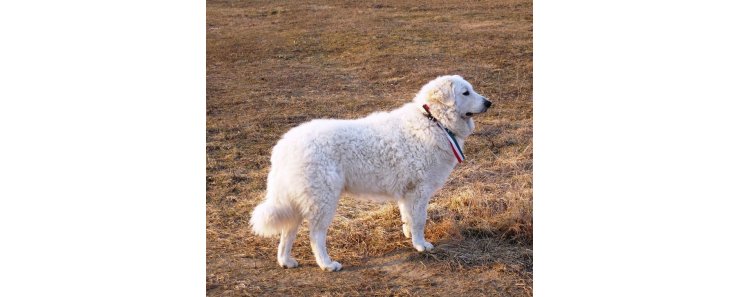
{"x": 275, "y": 64}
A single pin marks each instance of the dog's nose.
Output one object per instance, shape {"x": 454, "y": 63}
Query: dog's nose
{"x": 487, "y": 103}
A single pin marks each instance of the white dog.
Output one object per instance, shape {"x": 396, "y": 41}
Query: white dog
{"x": 404, "y": 155}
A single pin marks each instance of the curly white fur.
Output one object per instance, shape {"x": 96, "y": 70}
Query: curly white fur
{"x": 399, "y": 155}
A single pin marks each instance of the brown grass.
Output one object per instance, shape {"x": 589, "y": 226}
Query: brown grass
{"x": 273, "y": 65}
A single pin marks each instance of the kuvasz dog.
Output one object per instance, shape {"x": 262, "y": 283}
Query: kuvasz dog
{"x": 404, "y": 156}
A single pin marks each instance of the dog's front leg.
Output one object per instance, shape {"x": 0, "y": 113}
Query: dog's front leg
{"x": 414, "y": 209}
{"x": 405, "y": 209}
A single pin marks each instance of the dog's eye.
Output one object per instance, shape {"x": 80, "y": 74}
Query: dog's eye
{"x": 466, "y": 93}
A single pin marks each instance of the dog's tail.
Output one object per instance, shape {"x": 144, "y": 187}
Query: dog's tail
{"x": 270, "y": 217}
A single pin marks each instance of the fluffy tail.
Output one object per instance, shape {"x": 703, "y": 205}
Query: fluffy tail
{"x": 269, "y": 218}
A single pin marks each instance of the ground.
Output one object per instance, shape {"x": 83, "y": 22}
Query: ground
{"x": 275, "y": 64}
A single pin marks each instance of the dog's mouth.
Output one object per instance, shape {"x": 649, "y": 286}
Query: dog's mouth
{"x": 470, "y": 114}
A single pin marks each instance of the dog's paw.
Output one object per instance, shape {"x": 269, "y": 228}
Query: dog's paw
{"x": 423, "y": 247}
{"x": 334, "y": 266}
{"x": 289, "y": 263}
{"x": 406, "y": 230}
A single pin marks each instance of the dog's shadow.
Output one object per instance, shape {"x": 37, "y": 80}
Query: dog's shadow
{"x": 470, "y": 251}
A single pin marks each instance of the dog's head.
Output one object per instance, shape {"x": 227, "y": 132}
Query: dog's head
{"x": 453, "y": 101}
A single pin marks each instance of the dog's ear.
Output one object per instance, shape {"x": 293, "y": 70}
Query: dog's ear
{"x": 444, "y": 92}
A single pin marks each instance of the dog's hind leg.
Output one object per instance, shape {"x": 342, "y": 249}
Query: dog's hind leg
{"x": 319, "y": 218}
{"x": 286, "y": 244}
{"x": 318, "y": 227}
{"x": 319, "y": 205}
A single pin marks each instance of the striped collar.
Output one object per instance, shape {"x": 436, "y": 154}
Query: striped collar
{"x": 456, "y": 149}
